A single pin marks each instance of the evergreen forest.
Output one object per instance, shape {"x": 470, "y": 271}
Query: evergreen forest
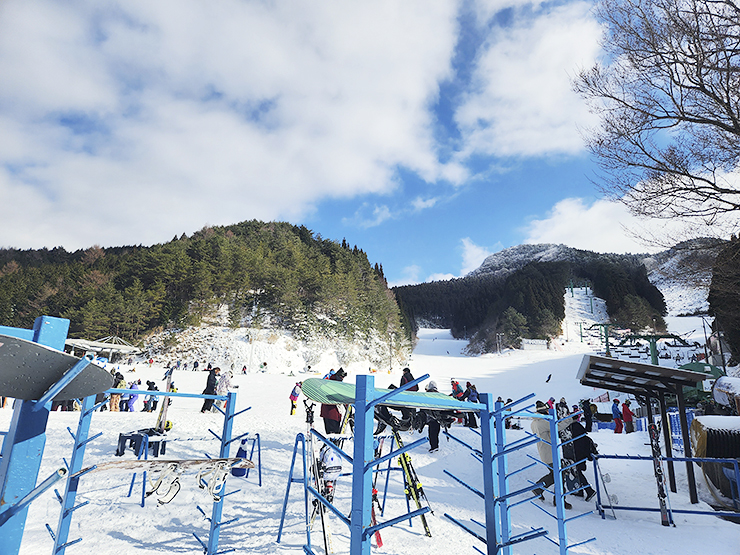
{"x": 265, "y": 274}
{"x": 495, "y": 312}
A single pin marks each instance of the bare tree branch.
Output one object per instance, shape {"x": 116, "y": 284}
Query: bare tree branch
{"x": 669, "y": 101}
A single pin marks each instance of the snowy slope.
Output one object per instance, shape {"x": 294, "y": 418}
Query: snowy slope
{"x": 113, "y": 523}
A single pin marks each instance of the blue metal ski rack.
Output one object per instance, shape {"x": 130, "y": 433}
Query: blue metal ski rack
{"x": 559, "y": 491}
{"x": 80, "y": 438}
{"x": 364, "y": 464}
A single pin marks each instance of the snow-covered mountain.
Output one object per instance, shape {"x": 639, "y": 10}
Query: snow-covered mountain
{"x": 682, "y": 273}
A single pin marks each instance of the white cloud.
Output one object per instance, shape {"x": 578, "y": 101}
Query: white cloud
{"x": 473, "y": 255}
{"x": 440, "y": 277}
{"x": 602, "y": 226}
{"x": 409, "y": 276}
{"x": 521, "y": 102}
{"x": 419, "y": 204}
{"x": 177, "y": 113}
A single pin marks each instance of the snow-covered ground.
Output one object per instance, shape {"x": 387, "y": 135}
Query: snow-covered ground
{"x": 112, "y": 523}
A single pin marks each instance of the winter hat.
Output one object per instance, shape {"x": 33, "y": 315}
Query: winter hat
{"x": 407, "y": 369}
{"x": 431, "y": 386}
{"x": 541, "y": 407}
{"x": 627, "y": 402}
{"x": 562, "y": 400}
{"x": 467, "y": 384}
{"x": 616, "y": 400}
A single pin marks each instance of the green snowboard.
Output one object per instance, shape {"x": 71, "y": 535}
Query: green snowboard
{"x": 330, "y": 392}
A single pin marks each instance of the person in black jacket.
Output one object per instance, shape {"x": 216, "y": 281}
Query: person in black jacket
{"x": 583, "y": 447}
{"x": 210, "y": 388}
{"x": 406, "y": 378}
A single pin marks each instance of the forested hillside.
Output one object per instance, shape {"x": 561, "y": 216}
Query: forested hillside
{"x": 527, "y": 301}
{"x": 267, "y": 274}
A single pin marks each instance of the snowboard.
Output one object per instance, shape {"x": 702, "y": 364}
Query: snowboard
{"x": 29, "y": 369}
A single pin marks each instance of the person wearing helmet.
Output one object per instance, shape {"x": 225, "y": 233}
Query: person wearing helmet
{"x": 432, "y": 423}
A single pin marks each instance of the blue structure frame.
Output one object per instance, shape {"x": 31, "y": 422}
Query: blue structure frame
{"x": 23, "y": 445}
{"x": 493, "y": 456}
{"x": 75, "y": 466}
{"x": 600, "y": 507}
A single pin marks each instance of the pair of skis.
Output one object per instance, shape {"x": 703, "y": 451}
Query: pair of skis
{"x": 654, "y": 432}
{"x": 412, "y": 485}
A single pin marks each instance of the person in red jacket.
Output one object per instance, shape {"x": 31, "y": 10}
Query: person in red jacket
{"x": 330, "y": 413}
{"x": 628, "y": 417}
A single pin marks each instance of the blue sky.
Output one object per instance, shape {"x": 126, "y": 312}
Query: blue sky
{"x": 429, "y": 134}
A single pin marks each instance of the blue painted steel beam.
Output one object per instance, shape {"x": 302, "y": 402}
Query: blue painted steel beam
{"x": 362, "y": 483}
{"x": 212, "y": 547}
{"x": 488, "y": 440}
{"x": 75, "y": 465}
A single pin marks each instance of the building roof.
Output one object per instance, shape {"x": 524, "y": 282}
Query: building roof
{"x": 635, "y": 377}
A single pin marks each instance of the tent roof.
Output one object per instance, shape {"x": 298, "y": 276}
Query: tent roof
{"x": 98, "y": 346}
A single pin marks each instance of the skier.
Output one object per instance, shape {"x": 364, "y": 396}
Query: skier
{"x": 210, "y": 389}
{"x": 583, "y": 447}
{"x": 134, "y": 396}
{"x": 471, "y": 395}
{"x": 457, "y": 391}
{"x": 150, "y": 400}
{"x": 432, "y": 423}
{"x": 330, "y": 413}
{"x": 330, "y": 466}
{"x": 628, "y": 417}
{"x": 587, "y": 415}
{"x": 223, "y": 386}
{"x": 541, "y": 428}
{"x": 294, "y": 396}
{"x": 617, "y": 416}
{"x": 115, "y": 398}
{"x": 407, "y": 377}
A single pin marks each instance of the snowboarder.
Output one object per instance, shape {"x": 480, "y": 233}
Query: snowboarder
{"x": 330, "y": 413}
{"x": 617, "y": 416}
{"x": 628, "y": 417}
{"x": 294, "y": 396}
{"x": 210, "y": 389}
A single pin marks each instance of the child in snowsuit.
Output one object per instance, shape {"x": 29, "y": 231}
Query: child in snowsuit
{"x": 294, "y": 396}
